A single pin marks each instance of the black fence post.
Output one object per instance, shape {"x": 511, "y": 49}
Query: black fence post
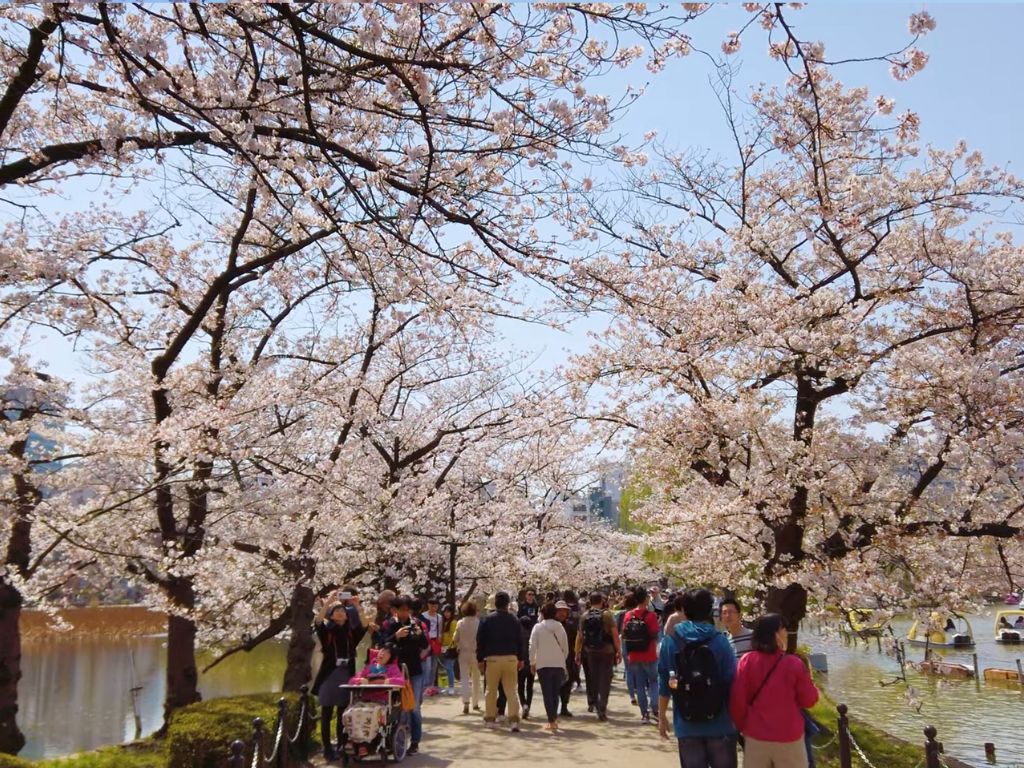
{"x": 845, "y": 757}
{"x": 257, "y": 740}
{"x": 237, "y": 759}
{"x": 304, "y": 722}
{"x": 932, "y": 748}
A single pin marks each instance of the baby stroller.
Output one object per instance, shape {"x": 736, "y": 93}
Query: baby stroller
{"x": 377, "y": 722}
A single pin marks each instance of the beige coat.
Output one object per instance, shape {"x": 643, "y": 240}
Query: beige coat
{"x": 465, "y": 634}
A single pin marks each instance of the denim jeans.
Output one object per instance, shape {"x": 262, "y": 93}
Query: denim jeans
{"x": 416, "y": 716}
{"x": 550, "y": 685}
{"x": 645, "y": 683}
{"x": 449, "y": 670}
{"x": 429, "y": 671}
{"x": 630, "y": 686}
{"x": 707, "y": 752}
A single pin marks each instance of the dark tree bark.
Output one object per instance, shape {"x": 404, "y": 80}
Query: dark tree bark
{"x": 11, "y": 738}
{"x": 298, "y": 670}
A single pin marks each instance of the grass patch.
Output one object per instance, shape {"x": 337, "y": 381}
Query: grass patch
{"x": 880, "y": 747}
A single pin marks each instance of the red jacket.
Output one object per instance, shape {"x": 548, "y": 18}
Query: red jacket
{"x": 651, "y": 620}
{"x": 775, "y": 714}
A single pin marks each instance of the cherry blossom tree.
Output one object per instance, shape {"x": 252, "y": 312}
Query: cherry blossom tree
{"x": 818, "y": 347}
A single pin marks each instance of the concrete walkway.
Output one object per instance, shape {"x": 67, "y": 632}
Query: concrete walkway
{"x": 453, "y": 739}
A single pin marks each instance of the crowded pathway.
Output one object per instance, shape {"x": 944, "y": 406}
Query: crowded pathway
{"x": 453, "y": 739}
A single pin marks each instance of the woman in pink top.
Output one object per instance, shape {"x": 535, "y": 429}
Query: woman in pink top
{"x": 770, "y": 691}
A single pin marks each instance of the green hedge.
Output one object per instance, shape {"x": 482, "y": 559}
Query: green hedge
{"x": 10, "y": 761}
{"x": 200, "y": 735}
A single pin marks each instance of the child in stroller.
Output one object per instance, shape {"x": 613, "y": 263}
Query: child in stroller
{"x": 371, "y": 711}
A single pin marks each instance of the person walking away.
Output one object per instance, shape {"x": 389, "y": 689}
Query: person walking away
{"x": 732, "y": 619}
{"x": 677, "y": 615}
{"x": 338, "y": 641}
{"x": 501, "y": 653}
{"x": 449, "y": 653}
{"x": 640, "y": 631}
{"x": 628, "y": 603}
{"x": 549, "y": 648}
{"x": 465, "y": 641}
{"x": 572, "y": 626}
{"x": 696, "y": 669}
{"x": 657, "y": 602}
{"x": 598, "y": 642}
{"x": 768, "y": 697}
{"x": 526, "y": 675}
{"x": 409, "y": 635}
{"x": 562, "y": 616}
{"x": 434, "y": 624}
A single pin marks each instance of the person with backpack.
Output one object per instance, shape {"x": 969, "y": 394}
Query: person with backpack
{"x": 696, "y": 669}
{"x": 771, "y": 690}
{"x": 598, "y": 639}
{"x": 640, "y": 629}
{"x": 628, "y": 603}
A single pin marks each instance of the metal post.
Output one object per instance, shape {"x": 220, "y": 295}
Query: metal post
{"x": 257, "y": 740}
{"x": 977, "y": 675}
{"x": 304, "y": 722}
{"x": 932, "y": 748}
{"x": 237, "y": 759}
{"x": 845, "y": 757}
{"x": 1020, "y": 673}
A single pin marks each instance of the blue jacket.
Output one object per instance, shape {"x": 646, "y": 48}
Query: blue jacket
{"x": 687, "y": 632}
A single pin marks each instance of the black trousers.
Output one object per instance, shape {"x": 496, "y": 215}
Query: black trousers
{"x": 526, "y": 678}
{"x": 550, "y": 685}
{"x": 600, "y": 665}
{"x": 326, "y": 714}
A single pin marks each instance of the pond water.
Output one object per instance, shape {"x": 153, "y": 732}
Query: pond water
{"x": 75, "y": 693}
{"x": 967, "y": 713}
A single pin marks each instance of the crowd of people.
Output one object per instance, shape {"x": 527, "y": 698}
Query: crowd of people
{"x": 692, "y": 666}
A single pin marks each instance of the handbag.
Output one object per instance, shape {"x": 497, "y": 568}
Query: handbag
{"x": 451, "y": 653}
{"x": 408, "y": 697}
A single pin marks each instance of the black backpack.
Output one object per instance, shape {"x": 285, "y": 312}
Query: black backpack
{"x": 636, "y": 633}
{"x": 594, "y": 635}
{"x": 700, "y": 693}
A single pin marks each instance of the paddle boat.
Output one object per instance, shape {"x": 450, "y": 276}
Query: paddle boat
{"x": 941, "y": 630}
{"x": 1013, "y": 598}
{"x": 861, "y": 624}
{"x": 1009, "y": 627}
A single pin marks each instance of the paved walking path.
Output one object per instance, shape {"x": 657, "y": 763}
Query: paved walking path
{"x": 453, "y": 739}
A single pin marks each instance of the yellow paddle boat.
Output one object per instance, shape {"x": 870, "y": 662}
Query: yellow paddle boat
{"x": 941, "y": 630}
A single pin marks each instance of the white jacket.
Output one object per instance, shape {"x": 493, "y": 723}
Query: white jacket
{"x": 549, "y": 645}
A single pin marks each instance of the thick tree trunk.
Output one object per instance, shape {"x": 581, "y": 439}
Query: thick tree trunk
{"x": 11, "y": 738}
{"x": 791, "y": 604}
{"x": 182, "y": 672}
{"x": 298, "y": 670}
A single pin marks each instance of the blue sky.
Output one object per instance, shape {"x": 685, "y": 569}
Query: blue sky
{"x": 971, "y": 89}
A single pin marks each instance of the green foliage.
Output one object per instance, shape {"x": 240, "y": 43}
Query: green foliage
{"x": 200, "y": 735}
{"x": 10, "y": 761}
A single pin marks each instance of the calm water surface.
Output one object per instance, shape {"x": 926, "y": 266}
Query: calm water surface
{"x": 75, "y": 693}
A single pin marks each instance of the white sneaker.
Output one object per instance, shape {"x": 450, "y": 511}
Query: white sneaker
{"x": 515, "y": 728}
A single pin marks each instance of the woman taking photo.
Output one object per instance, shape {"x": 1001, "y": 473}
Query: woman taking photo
{"x": 338, "y": 641}
{"x": 549, "y": 648}
{"x": 768, "y": 697}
